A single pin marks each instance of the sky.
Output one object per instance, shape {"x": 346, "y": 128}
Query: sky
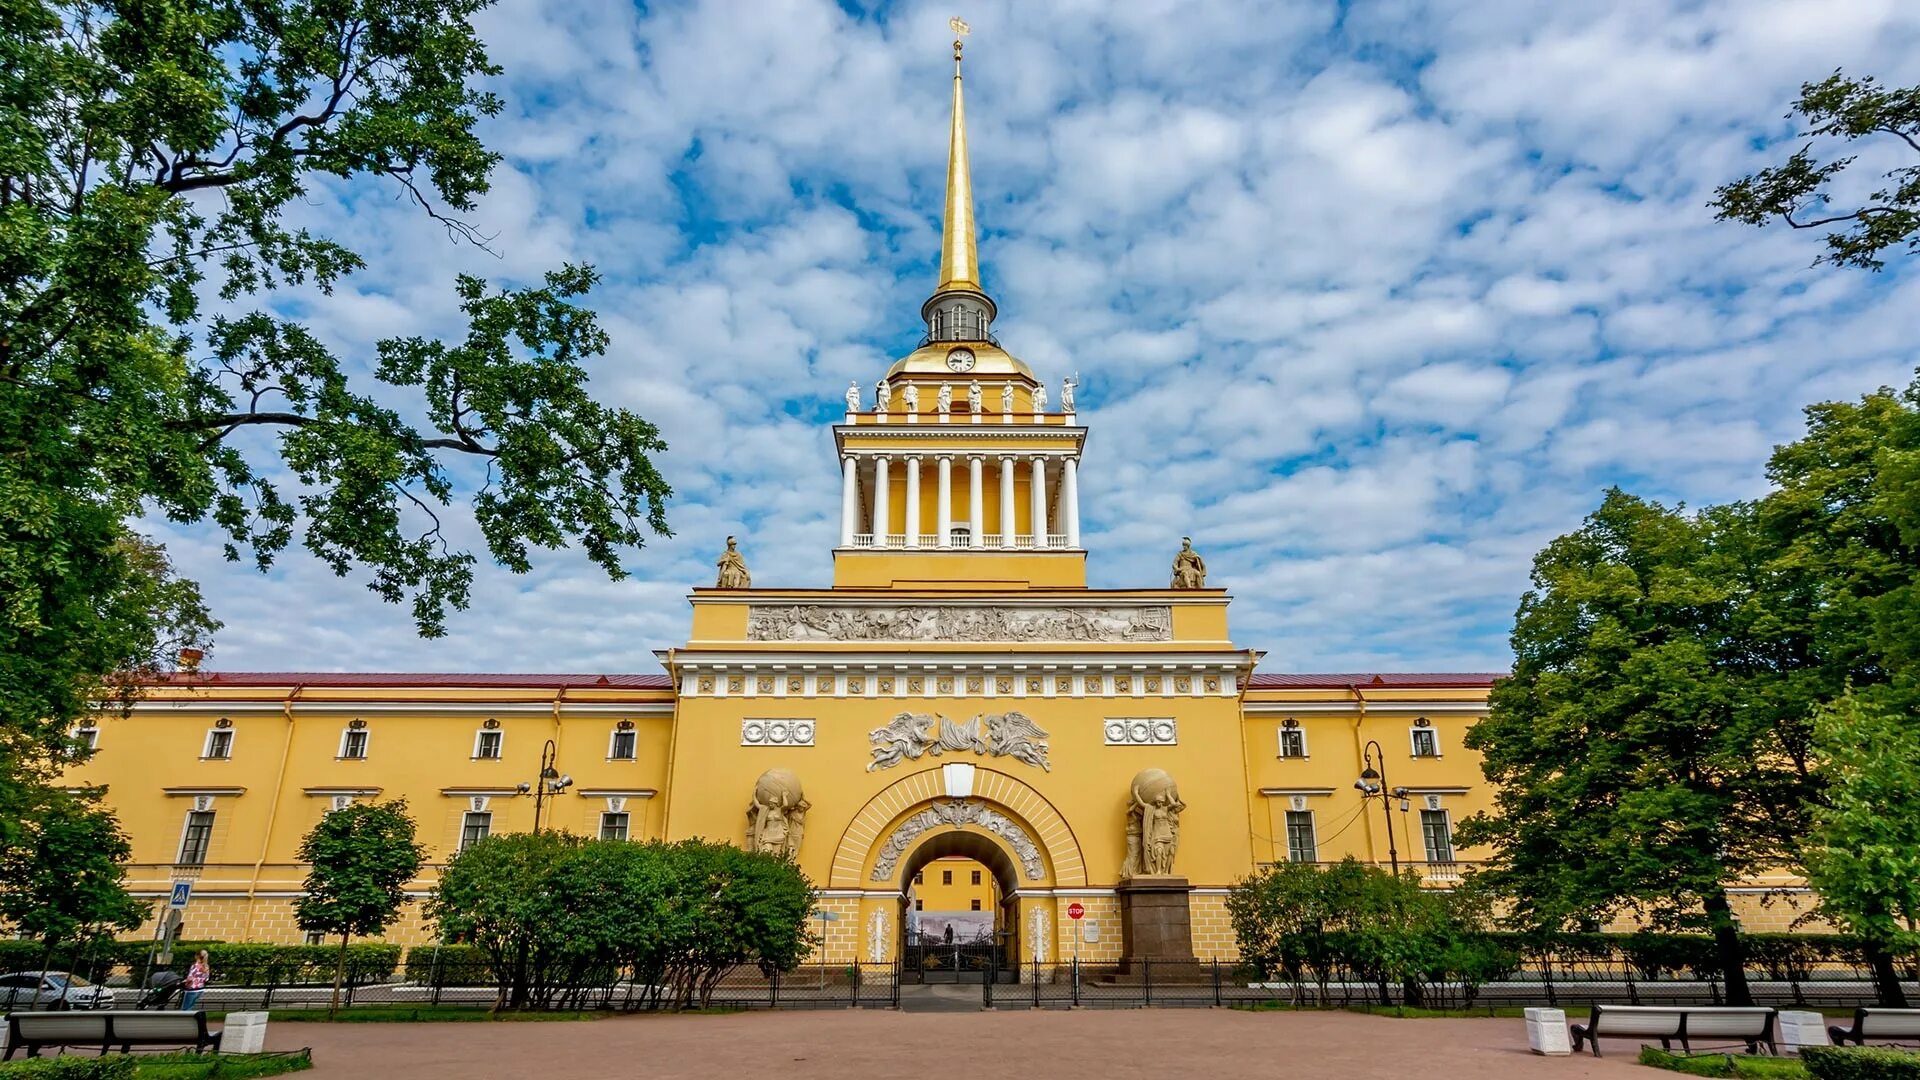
{"x": 1370, "y": 299}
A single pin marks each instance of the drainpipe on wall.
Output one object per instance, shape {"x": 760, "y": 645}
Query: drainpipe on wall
{"x": 1254, "y": 833}
{"x": 673, "y": 740}
{"x": 1359, "y": 754}
{"x": 273, "y": 809}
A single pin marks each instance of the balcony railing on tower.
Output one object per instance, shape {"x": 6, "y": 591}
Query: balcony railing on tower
{"x": 988, "y": 542}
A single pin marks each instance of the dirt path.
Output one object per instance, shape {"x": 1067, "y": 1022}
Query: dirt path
{"x": 1163, "y": 1044}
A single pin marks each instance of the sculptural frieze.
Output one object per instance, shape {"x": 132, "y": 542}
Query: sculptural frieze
{"x": 956, "y": 813}
{"x": 911, "y": 736}
{"x": 829, "y": 622}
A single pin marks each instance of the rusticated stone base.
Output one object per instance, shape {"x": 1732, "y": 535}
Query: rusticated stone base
{"x": 1155, "y": 921}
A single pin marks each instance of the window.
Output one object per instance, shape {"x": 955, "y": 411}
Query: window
{"x": 1293, "y": 739}
{"x": 960, "y": 535}
{"x": 1426, "y": 743}
{"x": 622, "y": 746}
{"x": 195, "y": 840}
{"x": 919, "y": 904}
{"x": 976, "y": 903}
{"x": 976, "y": 877}
{"x": 946, "y": 877}
{"x": 486, "y": 746}
{"x": 1301, "y": 845}
{"x": 474, "y": 828}
{"x": 1438, "y": 834}
{"x": 219, "y": 744}
{"x": 315, "y": 937}
{"x": 919, "y": 877}
{"x": 88, "y": 737}
{"x": 353, "y": 744}
{"x": 613, "y": 826}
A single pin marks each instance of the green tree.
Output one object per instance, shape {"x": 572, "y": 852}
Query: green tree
{"x": 558, "y": 916}
{"x": 361, "y": 858}
{"x": 1863, "y": 856}
{"x": 1645, "y": 751}
{"x": 148, "y": 155}
{"x": 65, "y": 879}
{"x": 1799, "y": 191}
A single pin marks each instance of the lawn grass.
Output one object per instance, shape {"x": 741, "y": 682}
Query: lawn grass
{"x": 1735, "y": 1065}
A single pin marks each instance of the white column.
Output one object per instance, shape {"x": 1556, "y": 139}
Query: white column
{"x": 976, "y": 512}
{"x": 1039, "y": 502}
{"x": 1070, "y": 500}
{"x": 849, "y": 499}
{"x": 944, "y": 514}
{"x": 880, "y": 507}
{"x": 913, "y": 502}
{"x": 1006, "y": 502}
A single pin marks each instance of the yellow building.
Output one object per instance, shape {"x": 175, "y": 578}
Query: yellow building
{"x": 958, "y": 699}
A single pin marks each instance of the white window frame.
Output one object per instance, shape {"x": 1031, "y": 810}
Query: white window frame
{"x": 89, "y": 736}
{"x": 1280, "y": 739}
{"x": 206, "y": 748}
{"x": 500, "y": 744}
{"x": 1313, "y": 831}
{"x": 464, "y": 819}
{"x": 186, "y": 827}
{"x": 366, "y": 743}
{"x": 1413, "y": 741}
{"x": 626, "y": 827}
{"x": 1426, "y": 848}
{"x": 613, "y": 741}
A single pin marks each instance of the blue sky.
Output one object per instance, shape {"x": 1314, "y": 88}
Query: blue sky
{"x": 1370, "y": 299}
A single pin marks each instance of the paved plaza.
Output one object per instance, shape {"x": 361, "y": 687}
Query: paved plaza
{"x": 1214, "y": 1044}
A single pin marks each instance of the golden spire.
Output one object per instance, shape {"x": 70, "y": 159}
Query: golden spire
{"x": 959, "y": 258}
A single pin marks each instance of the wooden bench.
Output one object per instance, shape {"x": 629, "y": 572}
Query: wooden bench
{"x": 1684, "y": 1023}
{"x": 35, "y": 1031}
{"x": 1880, "y": 1025}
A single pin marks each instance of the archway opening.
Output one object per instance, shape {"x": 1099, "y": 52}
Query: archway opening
{"x": 951, "y": 941}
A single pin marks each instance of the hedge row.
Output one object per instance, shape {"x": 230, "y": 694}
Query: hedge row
{"x": 235, "y": 964}
{"x": 1860, "y": 1063}
{"x": 1652, "y": 955}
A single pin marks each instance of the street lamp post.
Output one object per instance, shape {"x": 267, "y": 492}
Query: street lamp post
{"x": 551, "y": 782}
{"x": 1372, "y": 782}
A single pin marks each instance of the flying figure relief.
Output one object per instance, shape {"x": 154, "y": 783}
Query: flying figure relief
{"x": 911, "y": 736}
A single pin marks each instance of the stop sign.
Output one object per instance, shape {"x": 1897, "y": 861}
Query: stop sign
{"x": 1075, "y": 910}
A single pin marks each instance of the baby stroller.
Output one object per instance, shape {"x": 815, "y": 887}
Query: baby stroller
{"x": 161, "y": 987}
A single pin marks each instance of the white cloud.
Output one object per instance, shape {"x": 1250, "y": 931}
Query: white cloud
{"x": 1371, "y": 300}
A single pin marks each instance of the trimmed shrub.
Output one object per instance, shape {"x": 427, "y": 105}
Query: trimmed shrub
{"x": 1860, "y": 1063}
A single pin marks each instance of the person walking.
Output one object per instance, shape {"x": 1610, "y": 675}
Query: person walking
{"x": 197, "y": 977}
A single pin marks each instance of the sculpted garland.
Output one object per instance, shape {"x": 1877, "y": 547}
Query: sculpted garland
{"x": 827, "y": 622}
{"x": 910, "y": 736}
{"x": 959, "y": 812}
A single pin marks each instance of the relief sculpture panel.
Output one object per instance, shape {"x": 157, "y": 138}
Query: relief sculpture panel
{"x": 830, "y": 622}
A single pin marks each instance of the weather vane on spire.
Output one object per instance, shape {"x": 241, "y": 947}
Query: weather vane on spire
{"x": 960, "y": 30}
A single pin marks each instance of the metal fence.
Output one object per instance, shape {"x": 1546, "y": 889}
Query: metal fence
{"x": 1225, "y": 983}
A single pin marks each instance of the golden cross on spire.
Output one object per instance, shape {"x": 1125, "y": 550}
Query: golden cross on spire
{"x": 960, "y": 30}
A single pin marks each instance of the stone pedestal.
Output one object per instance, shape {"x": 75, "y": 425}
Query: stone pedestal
{"x": 1155, "y": 920}
{"x": 1547, "y": 1032}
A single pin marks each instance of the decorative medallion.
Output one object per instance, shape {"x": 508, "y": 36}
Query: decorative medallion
{"x": 796, "y": 684}
{"x": 1183, "y": 684}
{"x": 1003, "y": 685}
{"x": 706, "y": 684}
{"x": 1123, "y": 684}
{"x": 1153, "y": 684}
{"x": 1093, "y": 684}
{"x": 1140, "y": 731}
{"x": 975, "y": 684}
{"x": 856, "y": 685}
{"x": 1213, "y": 684}
{"x": 886, "y": 685}
{"x": 916, "y": 684}
{"x": 754, "y": 732}
{"x": 764, "y": 684}
{"x": 944, "y": 684}
{"x": 735, "y": 684}
{"x": 1063, "y": 684}
{"x": 1033, "y": 684}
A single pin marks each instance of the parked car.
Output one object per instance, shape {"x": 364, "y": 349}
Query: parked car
{"x": 51, "y": 990}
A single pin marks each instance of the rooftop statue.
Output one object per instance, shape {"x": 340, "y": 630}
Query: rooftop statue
{"x": 853, "y": 395}
{"x": 1189, "y": 569}
{"x": 944, "y": 403}
{"x": 733, "y": 569}
{"x": 1040, "y": 398}
{"x": 973, "y": 397}
{"x": 1066, "y": 394}
{"x": 882, "y": 393}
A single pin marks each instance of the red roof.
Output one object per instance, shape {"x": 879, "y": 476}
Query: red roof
{"x": 1364, "y": 680}
{"x": 429, "y": 678}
